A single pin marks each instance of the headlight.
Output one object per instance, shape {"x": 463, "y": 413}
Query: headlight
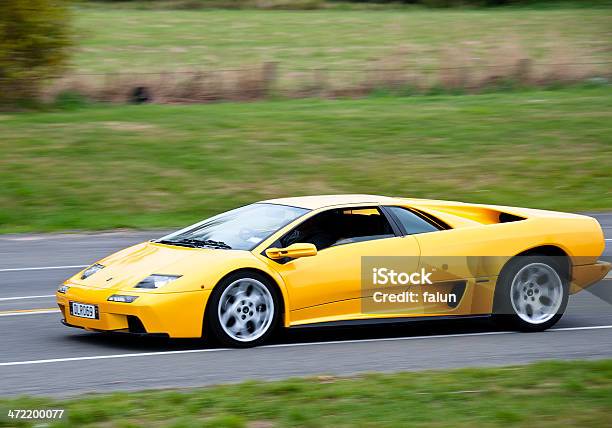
{"x": 156, "y": 281}
{"x": 62, "y": 289}
{"x": 122, "y": 298}
{"x": 91, "y": 270}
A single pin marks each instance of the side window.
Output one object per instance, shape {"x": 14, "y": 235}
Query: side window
{"x": 340, "y": 226}
{"x": 411, "y": 222}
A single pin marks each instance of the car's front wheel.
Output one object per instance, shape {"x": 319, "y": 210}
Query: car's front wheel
{"x": 531, "y": 293}
{"x": 244, "y": 310}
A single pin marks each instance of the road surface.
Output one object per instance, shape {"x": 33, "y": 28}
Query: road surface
{"x": 39, "y": 356}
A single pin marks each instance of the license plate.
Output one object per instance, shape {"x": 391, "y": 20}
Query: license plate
{"x": 83, "y": 310}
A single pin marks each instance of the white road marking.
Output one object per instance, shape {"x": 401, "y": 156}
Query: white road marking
{"x": 589, "y": 327}
{"x": 42, "y": 268}
{"x": 33, "y": 312}
{"x": 2, "y": 299}
{"x": 288, "y": 345}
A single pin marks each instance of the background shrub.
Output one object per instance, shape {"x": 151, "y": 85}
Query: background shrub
{"x": 34, "y": 43}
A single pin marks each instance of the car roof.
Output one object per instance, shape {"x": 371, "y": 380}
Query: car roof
{"x": 322, "y": 201}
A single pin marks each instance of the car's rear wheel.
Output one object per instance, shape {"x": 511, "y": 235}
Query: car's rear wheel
{"x": 531, "y": 293}
{"x": 243, "y": 310}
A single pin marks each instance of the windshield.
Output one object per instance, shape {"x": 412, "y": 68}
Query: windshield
{"x": 240, "y": 229}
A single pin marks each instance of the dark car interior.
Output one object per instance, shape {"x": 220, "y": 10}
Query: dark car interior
{"x": 340, "y": 226}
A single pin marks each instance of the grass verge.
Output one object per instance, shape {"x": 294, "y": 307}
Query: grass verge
{"x": 114, "y": 37}
{"x": 546, "y": 394}
{"x": 152, "y": 165}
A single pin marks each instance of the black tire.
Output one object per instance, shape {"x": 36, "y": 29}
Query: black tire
{"x": 505, "y": 313}
{"x": 213, "y": 312}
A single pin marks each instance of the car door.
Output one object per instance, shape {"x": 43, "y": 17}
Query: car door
{"x": 328, "y": 286}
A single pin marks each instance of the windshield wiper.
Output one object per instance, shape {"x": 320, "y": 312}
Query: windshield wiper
{"x": 216, "y": 244}
{"x": 180, "y": 243}
{"x": 196, "y": 243}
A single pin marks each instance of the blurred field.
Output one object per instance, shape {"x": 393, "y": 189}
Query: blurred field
{"x": 554, "y": 394}
{"x": 114, "y": 38}
{"x": 145, "y": 166}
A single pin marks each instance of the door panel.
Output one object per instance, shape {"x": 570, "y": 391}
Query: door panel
{"x": 320, "y": 286}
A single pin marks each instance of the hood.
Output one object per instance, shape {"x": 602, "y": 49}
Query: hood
{"x": 126, "y": 268}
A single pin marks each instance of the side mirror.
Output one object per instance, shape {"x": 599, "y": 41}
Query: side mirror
{"x": 293, "y": 251}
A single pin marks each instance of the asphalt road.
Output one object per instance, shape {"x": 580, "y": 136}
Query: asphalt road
{"x": 40, "y": 356}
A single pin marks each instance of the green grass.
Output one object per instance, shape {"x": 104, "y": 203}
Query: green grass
{"x": 163, "y": 165}
{"x": 548, "y": 394}
{"x": 114, "y": 37}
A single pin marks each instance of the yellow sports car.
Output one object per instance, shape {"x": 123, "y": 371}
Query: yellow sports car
{"x": 339, "y": 259}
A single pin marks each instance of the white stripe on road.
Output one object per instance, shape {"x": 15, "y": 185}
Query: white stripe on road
{"x": 2, "y": 299}
{"x": 42, "y": 268}
{"x": 588, "y": 327}
{"x": 287, "y": 345}
{"x": 29, "y": 312}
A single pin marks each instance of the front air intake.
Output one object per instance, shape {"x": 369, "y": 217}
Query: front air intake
{"x": 135, "y": 325}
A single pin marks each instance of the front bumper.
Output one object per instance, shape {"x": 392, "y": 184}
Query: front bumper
{"x": 584, "y": 276}
{"x": 177, "y": 315}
